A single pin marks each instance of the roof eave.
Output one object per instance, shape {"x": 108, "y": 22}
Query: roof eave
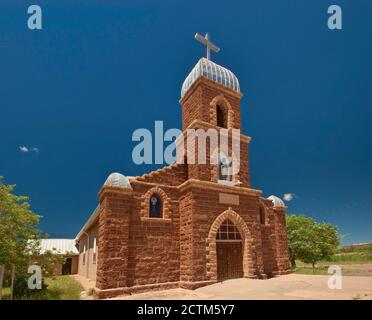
{"x": 92, "y": 219}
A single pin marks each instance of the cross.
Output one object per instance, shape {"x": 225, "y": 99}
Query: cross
{"x": 206, "y": 41}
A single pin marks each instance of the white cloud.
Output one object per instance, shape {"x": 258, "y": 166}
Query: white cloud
{"x": 288, "y": 196}
{"x": 26, "y": 149}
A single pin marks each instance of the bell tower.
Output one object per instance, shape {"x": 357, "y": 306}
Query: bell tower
{"x": 210, "y": 99}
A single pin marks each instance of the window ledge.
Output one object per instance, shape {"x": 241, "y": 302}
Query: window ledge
{"x": 148, "y": 219}
{"x": 229, "y": 183}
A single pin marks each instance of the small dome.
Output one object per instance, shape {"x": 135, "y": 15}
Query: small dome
{"x": 213, "y": 71}
{"x": 276, "y": 201}
{"x": 117, "y": 180}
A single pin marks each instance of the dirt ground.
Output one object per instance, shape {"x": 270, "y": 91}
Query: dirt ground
{"x": 356, "y": 269}
{"x": 288, "y": 287}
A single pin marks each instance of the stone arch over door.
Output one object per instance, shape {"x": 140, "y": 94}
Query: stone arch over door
{"x": 248, "y": 269}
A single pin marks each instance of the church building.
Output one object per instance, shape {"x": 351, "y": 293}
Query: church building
{"x": 187, "y": 225}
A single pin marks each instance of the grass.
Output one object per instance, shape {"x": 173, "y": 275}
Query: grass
{"x": 355, "y": 254}
{"x": 6, "y": 293}
{"x": 323, "y": 270}
{"x": 352, "y": 254}
{"x": 315, "y": 271}
{"x": 59, "y": 288}
{"x": 349, "y": 258}
{"x": 363, "y": 248}
{"x": 63, "y": 288}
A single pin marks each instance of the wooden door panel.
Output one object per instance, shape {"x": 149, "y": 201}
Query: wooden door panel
{"x": 229, "y": 260}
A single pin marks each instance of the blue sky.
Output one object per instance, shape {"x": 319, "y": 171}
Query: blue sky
{"x": 98, "y": 70}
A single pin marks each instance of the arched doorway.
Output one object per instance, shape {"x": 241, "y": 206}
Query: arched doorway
{"x": 229, "y": 248}
{"x": 248, "y": 264}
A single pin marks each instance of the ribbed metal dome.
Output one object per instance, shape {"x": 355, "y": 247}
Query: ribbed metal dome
{"x": 276, "y": 201}
{"x": 118, "y": 180}
{"x": 212, "y": 71}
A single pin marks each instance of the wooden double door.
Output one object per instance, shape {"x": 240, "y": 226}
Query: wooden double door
{"x": 229, "y": 260}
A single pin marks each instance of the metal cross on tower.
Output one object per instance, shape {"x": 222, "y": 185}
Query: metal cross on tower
{"x": 206, "y": 41}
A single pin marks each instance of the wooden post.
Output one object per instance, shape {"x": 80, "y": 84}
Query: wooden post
{"x": 1, "y": 281}
{"x": 12, "y": 282}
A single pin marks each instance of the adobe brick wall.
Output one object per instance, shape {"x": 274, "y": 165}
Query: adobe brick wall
{"x": 153, "y": 242}
{"x": 75, "y": 264}
{"x": 114, "y": 219}
{"x": 199, "y": 104}
{"x": 196, "y": 103}
{"x": 171, "y": 252}
{"x": 57, "y": 267}
{"x": 135, "y": 250}
{"x": 200, "y": 207}
{"x": 274, "y": 240}
{"x": 282, "y": 256}
{"x": 208, "y": 171}
{"x": 138, "y": 253}
{"x": 172, "y": 175}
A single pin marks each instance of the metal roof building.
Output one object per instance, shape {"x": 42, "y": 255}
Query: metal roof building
{"x": 59, "y": 246}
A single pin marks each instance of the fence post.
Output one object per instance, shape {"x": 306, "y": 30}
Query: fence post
{"x": 12, "y": 282}
{"x": 1, "y": 281}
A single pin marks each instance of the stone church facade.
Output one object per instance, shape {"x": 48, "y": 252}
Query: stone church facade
{"x": 186, "y": 225}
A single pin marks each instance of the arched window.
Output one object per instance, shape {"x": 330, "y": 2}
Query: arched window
{"x": 228, "y": 231}
{"x": 155, "y": 207}
{"x": 221, "y": 117}
{"x": 262, "y": 215}
{"x": 224, "y": 168}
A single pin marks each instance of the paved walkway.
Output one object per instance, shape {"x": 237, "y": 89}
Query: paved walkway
{"x": 87, "y": 284}
{"x": 288, "y": 287}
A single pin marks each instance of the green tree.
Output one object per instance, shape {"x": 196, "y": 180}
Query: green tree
{"x": 310, "y": 241}
{"x": 20, "y": 241}
{"x": 48, "y": 260}
{"x": 18, "y": 224}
